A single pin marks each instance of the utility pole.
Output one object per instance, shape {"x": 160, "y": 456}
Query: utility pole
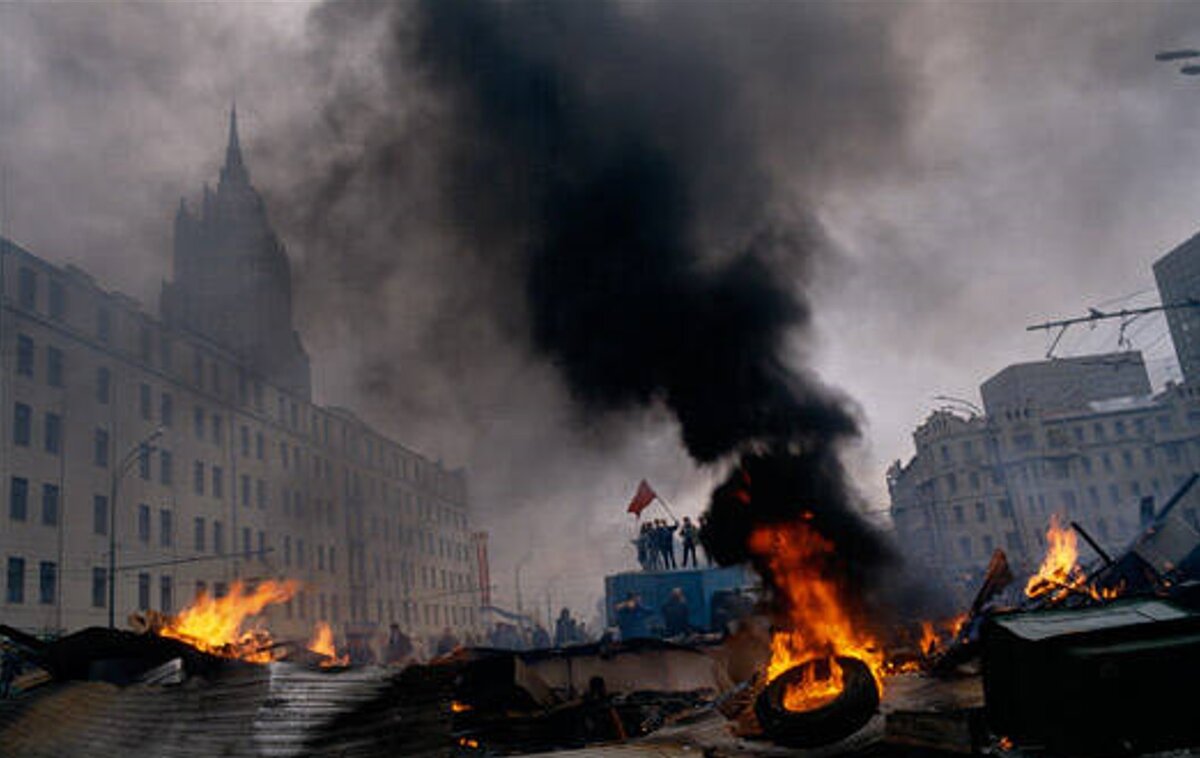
{"x": 1095, "y": 314}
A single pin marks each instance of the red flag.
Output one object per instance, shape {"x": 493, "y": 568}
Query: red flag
{"x": 642, "y": 498}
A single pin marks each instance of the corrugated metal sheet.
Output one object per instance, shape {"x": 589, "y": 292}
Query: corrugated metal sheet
{"x": 244, "y": 710}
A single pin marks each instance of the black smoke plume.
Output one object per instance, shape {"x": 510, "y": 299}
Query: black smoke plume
{"x": 622, "y": 294}
{"x": 632, "y": 186}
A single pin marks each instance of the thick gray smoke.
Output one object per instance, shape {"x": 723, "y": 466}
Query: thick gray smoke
{"x": 603, "y": 178}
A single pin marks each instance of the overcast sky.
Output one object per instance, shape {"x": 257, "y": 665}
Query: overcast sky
{"x": 1030, "y": 160}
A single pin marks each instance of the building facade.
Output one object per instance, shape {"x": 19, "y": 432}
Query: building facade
{"x": 222, "y": 467}
{"x": 989, "y": 481}
{"x": 1178, "y": 277}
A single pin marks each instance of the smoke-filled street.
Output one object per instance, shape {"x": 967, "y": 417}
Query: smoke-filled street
{"x": 479, "y": 377}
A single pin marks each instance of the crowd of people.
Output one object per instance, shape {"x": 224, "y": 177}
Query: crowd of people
{"x": 655, "y": 544}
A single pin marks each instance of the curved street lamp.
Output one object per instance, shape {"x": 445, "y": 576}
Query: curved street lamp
{"x": 118, "y": 472}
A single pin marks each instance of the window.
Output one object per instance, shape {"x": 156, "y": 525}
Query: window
{"x": 100, "y": 453}
{"x": 218, "y": 538}
{"x": 218, "y": 488}
{"x": 53, "y": 436}
{"x": 245, "y": 437}
{"x": 166, "y": 529}
{"x": 332, "y": 559}
{"x": 144, "y": 401}
{"x": 201, "y": 589}
{"x": 245, "y": 490}
{"x": 143, "y": 523}
{"x": 259, "y": 445}
{"x": 262, "y": 547}
{"x": 300, "y": 553}
{"x": 260, "y": 494}
{"x": 16, "y": 580}
{"x": 1119, "y": 428}
{"x": 18, "y": 498}
{"x": 964, "y": 547}
{"x": 198, "y": 422}
{"x": 58, "y": 300}
{"x": 47, "y": 582}
{"x": 287, "y": 551}
{"x": 143, "y": 460}
{"x": 242, "y": 387}
{"x": 198, "y": 535}
{"x": 165, "y": 475}
{"x": 166, "y": 595}
{"x": 103, "y": 324}
{"x": 216, "y": 377}
{"x": 99, "y": 587}
{"x": 27, "y": 288}
{"x": 21, "y": 423}
{"x": 981, "y": 513}
{"x": 50, "y": 496}
{"x": 198, "y": 478}
{"x": 54, "y": 367}
{"x": 1086, "y": 462}
{"x": 164, "y": 353}
{"x": 103, "y": 385}
{"x": 283, "y": 453}
{"x": 143, "y": 592}
{"x": 198, "y": 369}
{"x": 958, "y": 518}
{"x": 99, "y": 514}
{"x": 166, "y": 410}
{"x": 24, "y": 355}
{"x": 1127, "y": 459}
{"x": 217, "y": 431}
{"x": 246, "y": 545}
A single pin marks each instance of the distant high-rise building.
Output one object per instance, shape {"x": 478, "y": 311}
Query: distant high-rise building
{"x": 1178, "y": 276}
{"x": 1066, "y": 383}
{"x": 233, "y": 283}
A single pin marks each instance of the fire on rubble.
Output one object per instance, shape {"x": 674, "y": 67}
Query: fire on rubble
{"x": 218, "y": 625}
{"x": 1060, "y": 574}
{"x": 819, "y": 625}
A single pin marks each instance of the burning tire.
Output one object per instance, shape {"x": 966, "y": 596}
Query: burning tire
{"x": 837, "y": 719}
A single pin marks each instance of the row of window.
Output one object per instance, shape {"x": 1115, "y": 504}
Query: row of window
{"x": 373, "y": 452}
{"x": 15, "y": 583}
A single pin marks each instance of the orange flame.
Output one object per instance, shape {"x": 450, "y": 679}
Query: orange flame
{"x": 819, "y": 623}
{"x": 215, "y": 625}
{"x": 322, "y": 644}
{"x": 1060, "y": 567}
{"x": 457, "y": 707}
{"x": 1060, "y": 574}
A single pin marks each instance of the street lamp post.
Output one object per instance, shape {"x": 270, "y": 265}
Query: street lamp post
{"x": 118, "y": 472}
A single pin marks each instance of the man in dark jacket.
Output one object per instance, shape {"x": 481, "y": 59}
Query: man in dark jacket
{"x": 675, "y": 613}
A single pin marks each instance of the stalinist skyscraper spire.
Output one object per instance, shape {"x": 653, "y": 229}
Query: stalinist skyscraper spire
{"x": 232, "y": 277}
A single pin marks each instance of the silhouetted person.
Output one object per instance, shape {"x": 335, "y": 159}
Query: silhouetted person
{"x": 675, "y": 613}
{"x": 539, "y": 638}
{"x": 689, "y": 535}
{"x": 445, "y": 643}
{"x": 667, "y": 543}
{"x": 399, "y": 646}
{"x": 565, "y": 630}
{"x": 10, "y": 666}
{"x": 631, "y": 617}
{"x": 703, "y": 544}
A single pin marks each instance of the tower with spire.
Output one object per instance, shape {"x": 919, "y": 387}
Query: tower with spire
{"x": 232, "y": 280}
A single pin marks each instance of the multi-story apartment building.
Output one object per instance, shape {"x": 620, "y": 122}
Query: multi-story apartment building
{"x": 1178, "y": 277}
{"x": 202, "y": 457}
{"x": 1096, "y": 456}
